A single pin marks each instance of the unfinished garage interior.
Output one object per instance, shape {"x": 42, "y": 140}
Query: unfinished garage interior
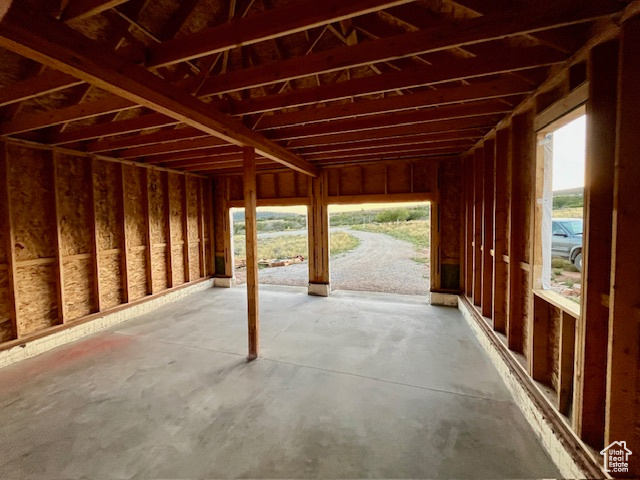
{"x": 129, "y": 130}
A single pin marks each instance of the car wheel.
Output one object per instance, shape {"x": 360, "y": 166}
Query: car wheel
{"x": 577, "y": 262}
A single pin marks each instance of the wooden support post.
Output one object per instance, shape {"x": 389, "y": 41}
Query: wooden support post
{"x": 167, "y": 228}
{"x": 147, "y": 221}
{"x": 477, "y": 225}
{"x": 202, "y": 248}
{"x": 538, "y": 354}
{"x": 96, "y": 247}
{"x": 522, "y": 151}
{"x": 59, "y": 261}
{"x": 468, "y": 244}
{"x": 125, "y": 242}
{"x": 6, "y": 223}
{"x": 566, "y": 359}
{"x": 185, "y": 231}
{"x": 251, "y": 229}
{"x": 318, "y": 226}
{"x": 593, "y": 324}
{"x": 487, "y": 226}
{"x": 210, "y": 226}
{"x": 500, "y": 235}
{"x": 623, "y": 371}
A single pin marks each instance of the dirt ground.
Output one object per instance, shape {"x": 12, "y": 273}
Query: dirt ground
{"x": 379, "y": 264}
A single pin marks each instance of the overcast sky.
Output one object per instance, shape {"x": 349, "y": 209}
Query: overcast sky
{"x": 569, "y": 155}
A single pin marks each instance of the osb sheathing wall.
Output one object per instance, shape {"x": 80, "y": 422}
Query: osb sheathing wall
{"x": 67, "y": 221}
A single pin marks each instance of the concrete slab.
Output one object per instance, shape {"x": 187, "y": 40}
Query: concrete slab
{"x": 349, "y": 386}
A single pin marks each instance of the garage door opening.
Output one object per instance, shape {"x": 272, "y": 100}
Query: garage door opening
{"x": 282, "y": 246}
{"x": 391, "y": 252}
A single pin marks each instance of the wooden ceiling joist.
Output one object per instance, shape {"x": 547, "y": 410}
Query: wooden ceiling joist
{"x": 52, "y": 43}
{"x": 81, "y": 9}
{"x": 460, "y": 146}
{"x": 212, "y": 152}
{"x": 271, "y": 24}
{"x": 481, "y": 29}
{"x": 466, "y": 110}
{"x": 157, "y": 138}
{"x": 48, "y": 82}
{"x": 109, "y": 129}
{"x": 511, "y": 60}
{"x": 171, "y": 147}
{"x": 451, "y": 94}
{"x": 473, "y": 123}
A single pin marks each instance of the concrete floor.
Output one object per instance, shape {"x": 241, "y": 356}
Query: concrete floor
{"x": 355, "y": 385}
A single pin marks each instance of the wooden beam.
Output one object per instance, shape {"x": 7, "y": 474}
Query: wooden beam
{"x": 109, "y": 129}
{"x": 54, "y": 44}
{"x": 496, "y": 26}
{"x": 126, "y": 289}
{"x": 448, "y": 112}
{"x": 426, "y": 148}
{"x": 147, "y": 223}
{"x": 540, "y": 341}
{"x": 60, "y": 292}
{"x": 166, "y": 207}
{"x": 593, "y": 323}
{"x": 624, "y": 315}
{"x": 34, "y": 121}
{"x": 201, "y": 229}
{"x": 48, "y": 82}
{"x": 82, "y": 9}
{"x": 175, "y": 146}
{"x": 213, "y": 153}
{"x": 185, "y": 230}
{"x": 271, "y": 24}
{"x": 319, "y": 277}
{"x": 523, "y": 154}
{"x": 96, "y": 247}
{"x": 462, "y": 136}
{"x": 477, "y": 225}
{"x": 6, "y": 223}
{"x": 503, "y": 61}
{"x": 487, "y": 227}
{"x": 474, "y": 123}
{"x": 500, "y": 230}
{"x": 566, "y": 357}
{"x": 251, "y": 235}
{"x": 156, "y": 138}
{"x": 468, "y": 194}
{"x": 447, "y": 94}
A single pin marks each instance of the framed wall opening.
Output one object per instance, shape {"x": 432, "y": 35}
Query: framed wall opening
{"x": 282, "y": 245}
{"x": 381, "y": 248}
{"x": 559, "y": 227}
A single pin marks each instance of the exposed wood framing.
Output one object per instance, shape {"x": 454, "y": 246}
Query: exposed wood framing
{"x": 251, "y": 235}
{"x": 487, "y": 226}
{"x": 500, "y": 223}
{"x": 60, "y": 294}
{"x": 6, "y": 223}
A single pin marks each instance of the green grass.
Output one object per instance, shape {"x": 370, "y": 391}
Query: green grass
{"x": 563, "y": 264}
{"x": 289, "y": 246}
{"x": 415, "y": 232}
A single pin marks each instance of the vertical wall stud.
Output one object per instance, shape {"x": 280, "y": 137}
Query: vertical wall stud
{"x": 147, "y": 220}
{"x": 125, "y": 242}
{"x": 185, "y": 230}
{"x": 96, "y": 247}
{"x": 250, "y": 200}
{"x": 59, "y": 262}
{"x": 6, "y": 223}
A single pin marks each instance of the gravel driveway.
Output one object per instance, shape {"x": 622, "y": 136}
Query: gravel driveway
{"x": 380, "y": 263}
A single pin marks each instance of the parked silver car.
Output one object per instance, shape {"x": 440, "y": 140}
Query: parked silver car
{"x": 566, "y": 240}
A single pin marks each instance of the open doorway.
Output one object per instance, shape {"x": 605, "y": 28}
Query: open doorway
{"x": 391, "y": 252}
{"x": 282, "y": 245}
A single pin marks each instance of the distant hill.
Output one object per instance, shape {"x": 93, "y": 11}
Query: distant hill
{"x": 238, "y": 215}
{"x": 569, "y": 191}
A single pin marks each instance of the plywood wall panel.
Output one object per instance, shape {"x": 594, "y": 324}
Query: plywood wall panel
{"x": 194, "y": 260}
{"x": 32, "y": 202}
{"x": 106, "y": 181}
{"x": 286, "y": 184}
{"x": 159, "y": 268}
{"x": 177, "y": 263}
{"x": 193, "y": 200}
{"x": 175, "y": 206}
{"x": 111, "y": 292}
{"x": 79, "y": 298}
{"x": 374, "y": 179}
{"x": 399, "y": 180}
{"x": 266, "y": 185}
{"x": 157, "y": 214}
{"x": 137, "y": 274}
{"x": 37, "y": 300}
{"x": 74, "y": 183}
{"x": 136, "y": 229}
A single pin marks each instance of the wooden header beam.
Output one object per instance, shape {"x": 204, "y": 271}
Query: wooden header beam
{"x": 52, "y": 43}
